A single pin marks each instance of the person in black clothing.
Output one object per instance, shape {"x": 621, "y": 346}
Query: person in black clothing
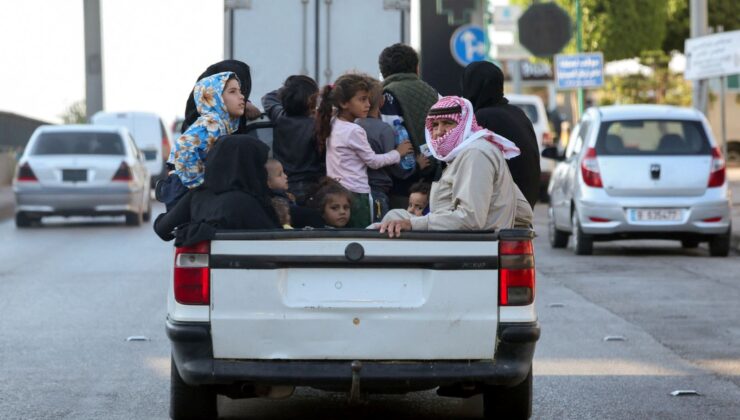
{"x": 234, "y": 195}
{"x": 483, "y": 86}
{"x": 291, "y": 108}
{"x": 245, "y": 78}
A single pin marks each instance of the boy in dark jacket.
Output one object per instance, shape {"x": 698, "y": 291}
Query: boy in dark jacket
{"x": 382, "y": 139}
{"x": 291, "y": 108}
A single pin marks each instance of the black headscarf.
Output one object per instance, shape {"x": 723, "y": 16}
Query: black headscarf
{"x": 245, "y": 78}
{"x": 483, "y": 85}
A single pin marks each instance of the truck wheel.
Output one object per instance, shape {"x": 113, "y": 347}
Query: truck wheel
{"x": 719, "y": 245}
{"x": 22, "y": 220}
{"x": 558, "y": 238}
{"x": 582, "y": 244}
{"x": 190, "y": 402}
{"x": 509, "y": 403}
{"x": 133, "y": 219}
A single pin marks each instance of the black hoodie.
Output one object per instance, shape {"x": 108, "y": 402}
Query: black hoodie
{"x": 245, "y": 79}
{"x": 483, "y": 86}
{"x": 234, "y": 195}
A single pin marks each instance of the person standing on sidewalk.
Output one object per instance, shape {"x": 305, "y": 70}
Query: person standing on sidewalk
{"x": 483, "y": 86}
{"x": 408, "y": 99}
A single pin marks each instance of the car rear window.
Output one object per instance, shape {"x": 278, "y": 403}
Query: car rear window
{"x": 530, "y": 110}
{"x": 652, "y": 137}
{"x": 82, "y": 143}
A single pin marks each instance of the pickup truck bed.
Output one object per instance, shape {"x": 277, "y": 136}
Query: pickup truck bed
{"x": 256, "y": 313}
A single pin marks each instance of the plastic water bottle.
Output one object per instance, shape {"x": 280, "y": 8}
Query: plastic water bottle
{"x": 407, "y": 162}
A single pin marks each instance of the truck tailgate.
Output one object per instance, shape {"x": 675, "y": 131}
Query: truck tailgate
{"x": 353, "y": 298}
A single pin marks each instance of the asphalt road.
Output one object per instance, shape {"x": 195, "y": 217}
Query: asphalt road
{"x": 71, "y": 292}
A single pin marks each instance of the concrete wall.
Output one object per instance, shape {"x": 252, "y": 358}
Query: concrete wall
{"x": 7, "y": 168}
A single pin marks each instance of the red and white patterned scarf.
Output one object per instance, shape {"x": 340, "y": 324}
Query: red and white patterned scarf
{"x": 460, "y": 110}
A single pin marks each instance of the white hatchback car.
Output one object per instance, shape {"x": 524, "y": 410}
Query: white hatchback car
{"x": 640, "y": 172}
{"x": 81, "y": 170}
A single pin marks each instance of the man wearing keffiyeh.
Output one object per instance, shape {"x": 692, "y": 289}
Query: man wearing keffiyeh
{"x": 476, "y": 191}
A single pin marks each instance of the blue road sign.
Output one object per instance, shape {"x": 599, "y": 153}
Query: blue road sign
{"x": 579, "y": 70}
{"x": 468, "y": 44}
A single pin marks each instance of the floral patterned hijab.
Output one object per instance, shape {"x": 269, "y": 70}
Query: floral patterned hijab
{"x": 460, "y": 110}
{"x": 191, "y": 147}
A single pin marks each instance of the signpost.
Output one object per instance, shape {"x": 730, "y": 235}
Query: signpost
{"x": 573, "y": 71}
{"x": 468, "y": 44}
{"x": 711, "y": 56}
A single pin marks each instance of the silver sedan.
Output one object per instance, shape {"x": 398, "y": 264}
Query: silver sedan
{"x": 71, "y": 170}
{"x": 640, "y": 171}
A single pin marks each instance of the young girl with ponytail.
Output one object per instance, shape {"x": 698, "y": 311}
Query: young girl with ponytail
{"x": 348, "y": 153}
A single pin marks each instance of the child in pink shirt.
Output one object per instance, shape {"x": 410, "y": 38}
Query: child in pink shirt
{"x": 348, "y": 153}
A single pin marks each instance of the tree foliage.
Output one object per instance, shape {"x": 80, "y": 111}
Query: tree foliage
{"x": 75, "y": 113}
{"x": 721, "y": 13}
{"x": 625, "y": 28}
{"x": 662, "y": 86}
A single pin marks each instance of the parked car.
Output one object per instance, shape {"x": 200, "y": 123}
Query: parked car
{"x": 148, "y": 132}
{"x": 534, "y": 108}
{"x": 256, "y": 314}
{"x": 640, "y": 172}
{"x": 88, "y": 170}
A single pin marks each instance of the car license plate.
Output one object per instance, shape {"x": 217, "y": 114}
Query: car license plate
{"x": 74, "y": 175}
{"x": 656, "y": 215}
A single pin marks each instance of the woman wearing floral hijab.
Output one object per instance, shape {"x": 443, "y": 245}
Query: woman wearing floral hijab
{"x": 476, "y": 190}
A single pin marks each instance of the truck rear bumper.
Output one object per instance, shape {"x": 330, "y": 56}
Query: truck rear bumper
{"x": 193, "y": 353}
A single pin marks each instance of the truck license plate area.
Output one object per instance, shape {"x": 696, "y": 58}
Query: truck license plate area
{"x": 306, "y": 288}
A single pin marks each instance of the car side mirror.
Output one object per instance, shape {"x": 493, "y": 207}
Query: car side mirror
{"x": 554, "y": 153}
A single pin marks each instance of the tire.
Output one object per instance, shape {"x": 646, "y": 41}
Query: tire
{"x": 583, "y": 244}
{"x": 22, "y": 220}
{"x": 689, "y": 243}
{"x": 147, "y": 216}
{"x": 133, "y": 219}
{"x": 719, "y": 245}
{"x": 190, "y": 402}
{"x": 509, "y": 403}
{"x": 558, "y": 238}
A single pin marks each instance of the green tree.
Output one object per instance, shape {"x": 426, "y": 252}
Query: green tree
{"x": 724, "y": 13}
{"x": 662, "y": 86}
{"x": 619, "y": 29}
{"x": 75, "y": 113}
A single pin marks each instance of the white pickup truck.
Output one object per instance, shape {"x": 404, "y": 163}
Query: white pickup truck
{"x": 257, "y": 313}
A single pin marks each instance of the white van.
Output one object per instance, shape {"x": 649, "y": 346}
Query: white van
{"x": 534, "y": 108}
{"x": 149, "y": 134}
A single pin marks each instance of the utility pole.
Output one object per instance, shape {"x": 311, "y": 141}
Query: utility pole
{"x": 698, "y": 16}
{"x": 579, "y": 49}
{"x": 93, "y": 58}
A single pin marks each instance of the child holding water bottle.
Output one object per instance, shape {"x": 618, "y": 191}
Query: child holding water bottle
{"x": 348, "y": 154}
{"x": 383, "y": 139}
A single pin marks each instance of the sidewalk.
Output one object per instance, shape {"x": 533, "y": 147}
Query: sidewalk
{"x": 7, "y": 202}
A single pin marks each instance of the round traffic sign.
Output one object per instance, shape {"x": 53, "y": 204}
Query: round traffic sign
{"x": 468, "y": 44}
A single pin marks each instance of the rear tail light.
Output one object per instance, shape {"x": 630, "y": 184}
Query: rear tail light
{"x": 547, "y": 138}
{"x": 25, "y": 174}
{"x": 590, "y": 169}
{"x": 717, "y": 174}
{"x": 192, "y": 275}
{"x": 516, "y": 277}
{"x": 165, "y": 148}
{"x": 123, "y": 173}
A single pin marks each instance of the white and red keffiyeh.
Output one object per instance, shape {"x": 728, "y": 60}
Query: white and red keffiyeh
{"x": 460, "y": 110}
